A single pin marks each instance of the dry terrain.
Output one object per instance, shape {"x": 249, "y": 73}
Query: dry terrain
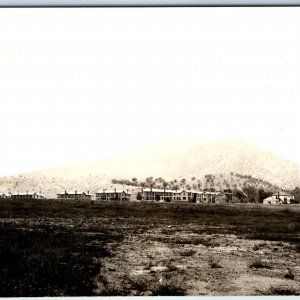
{"x": 61, "y": 248}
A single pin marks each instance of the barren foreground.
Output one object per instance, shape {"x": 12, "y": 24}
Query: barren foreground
{"x": 68, "y": 248}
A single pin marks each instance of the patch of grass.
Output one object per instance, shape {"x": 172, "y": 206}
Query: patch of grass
{"x": 58, "y": 257}
{"x": 208, "y": 242}
{"x": 187, "y": 252}
{"x": 171, "y": 267}
{"x": 259, "y": 264}
{"x": 37, "y": 262}
{"x": 150, "y": 263}
{"x": 282, "y": 291}
{"x": 214, "y": 264}
{"x": 141, "y": 285}
{"x": 168, "y": 290}
{"x": 297, "y": 247}
{"x": 287, "y": 211}
{"x": 258, "y": 247}
{"x": 289, "y": 275}
{"x": 245, "y": 220}
{"x": 111, "y": 287}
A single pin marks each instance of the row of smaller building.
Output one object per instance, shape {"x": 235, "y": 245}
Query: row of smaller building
{"x": 73, "y": 195}
{"x": 151, "y": 194}
{"x": 147, "y": 194}
{"x": 183, "y": 195}
{"x": 26, "y": 195}
{"x": 105, "y": 195}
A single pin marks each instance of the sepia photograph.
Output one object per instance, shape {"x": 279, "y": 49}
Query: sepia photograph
{"x": 150, "y": 152}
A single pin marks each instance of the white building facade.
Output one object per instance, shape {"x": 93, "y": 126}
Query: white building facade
{"x": 113, "y": 195}
{"x": 279, "y": 198}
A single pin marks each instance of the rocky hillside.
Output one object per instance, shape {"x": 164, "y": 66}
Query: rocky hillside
{"x": 187, "y": 158}
{"x": 51, "y": 186}
{"x": 200, "y": 164}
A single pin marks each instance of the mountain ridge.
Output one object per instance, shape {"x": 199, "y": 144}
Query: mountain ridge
{"x": 189, "y": 157}
{"x": 180, "y": 158}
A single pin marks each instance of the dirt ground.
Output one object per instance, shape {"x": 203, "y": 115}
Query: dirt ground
{"x": 153, "y": 251}
{"x": 220, "y": 265}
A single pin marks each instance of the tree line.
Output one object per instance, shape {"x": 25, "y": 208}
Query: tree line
{"x": 250, "y": 193}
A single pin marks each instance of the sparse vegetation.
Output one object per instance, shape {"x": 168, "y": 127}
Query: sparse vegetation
{"x": 187, "y": 252}
{"x": 45, "y": 262}
{"x": 289, "y": 275}
{"x": 282, "y": 291}
{"x": 169, "y": 289}
{"x": 60, "y": 247}
{"x": 297, "y": 247}
{"x": 214, "y": 264}
{"x": 259, "y": 264}
{"x": 260, "y": 246}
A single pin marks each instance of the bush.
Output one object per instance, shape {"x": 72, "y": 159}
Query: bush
{"x": 187, "y": 252}
{"x": 168, "y": 290}
{"x": 214, "y": 264}
{"x": 258, "y": 264}
{"x": 282, "y": 291}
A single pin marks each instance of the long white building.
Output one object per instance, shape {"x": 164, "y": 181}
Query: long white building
{"x": 165, "y": 195}
{"x": 74, "y": 195}
{"x": 113, "y": 195}
{"x": 27, "y": 195}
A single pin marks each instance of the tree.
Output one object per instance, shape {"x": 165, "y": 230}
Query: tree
{"x": 160, "y": 179}
{"x": 149, "y": 179}
{"x": 239, "y": 195}
{"x": 149, "y": 182}
{"x": 139, "y": 196}
{"x": 296, "y": 193}
{"x": 251, "y": 193}
{"x": 262, "y": 194}
{"x": 143, "y": 184}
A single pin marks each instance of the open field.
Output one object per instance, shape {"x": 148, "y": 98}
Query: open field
{"x": 61, "y": 248}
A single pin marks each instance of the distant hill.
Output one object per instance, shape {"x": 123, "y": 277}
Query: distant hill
{"x": 188, "y": 158}
{"x": 173, "y": 159}
{"x": 50, "y": 186}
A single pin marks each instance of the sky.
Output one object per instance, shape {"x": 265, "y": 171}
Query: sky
{"x": 81, "y": 84}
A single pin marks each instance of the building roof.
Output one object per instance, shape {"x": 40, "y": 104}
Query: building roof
{"x": 158, "y": 190}
{"x": 179, "y": 191}
{"x": 184, "y": 190}
{"x": 198, "y": 192}
{"x": 112, "y": 191}
{"x": 27, "y": 193}
{"x": 282, "y": 193}
{"x": 5, "y": 194}
{"x": 210, "y": 193}
{"x": 72, "y": 193}
{"x": 269, "y": 198}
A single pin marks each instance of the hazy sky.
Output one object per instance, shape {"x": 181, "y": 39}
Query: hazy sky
{"x": 89, "y": 82}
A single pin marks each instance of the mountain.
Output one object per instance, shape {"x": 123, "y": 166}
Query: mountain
{"x": 181, "y": 158}
{"x": 187, "y": 158}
